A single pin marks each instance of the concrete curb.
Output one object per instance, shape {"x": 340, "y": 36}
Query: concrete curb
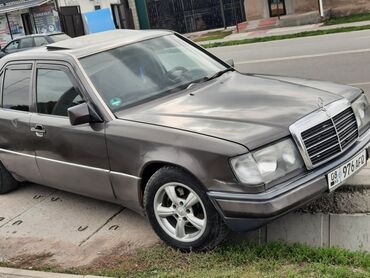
{"x": 360, "y": 179}
{"x": 283, "y": 31}
{"x": 21, "y": 273}
{"x": 348, "y": 231}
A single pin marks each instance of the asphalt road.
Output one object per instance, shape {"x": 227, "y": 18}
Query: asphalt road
{"x": 342, "y": 58}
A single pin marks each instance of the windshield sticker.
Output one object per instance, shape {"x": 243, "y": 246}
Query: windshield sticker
{"x": 115, "y": 102}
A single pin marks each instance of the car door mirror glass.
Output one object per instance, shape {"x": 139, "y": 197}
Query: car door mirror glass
{"x": 83, "y": 113}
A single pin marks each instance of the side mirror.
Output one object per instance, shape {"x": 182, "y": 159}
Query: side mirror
{"x": 230, "y": 62}
{"x": 83, "y": 113}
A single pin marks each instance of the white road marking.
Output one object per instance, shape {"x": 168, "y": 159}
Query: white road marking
{"x": 304, "y": 56}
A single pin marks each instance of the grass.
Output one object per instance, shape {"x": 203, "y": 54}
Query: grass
{"x": 348, "y": 19}
{"x": 214, "y": 35}
{"x": 275, "y": 259}
{"x": 288, "y": 36}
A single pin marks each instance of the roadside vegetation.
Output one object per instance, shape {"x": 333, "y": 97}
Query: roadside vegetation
{"x": 288, "y": 36}
{"x": 214, "y": 35}
{"x": 274, "y": 259}
{"x": 234, "y": 260}
{"x": 348, "y": 19}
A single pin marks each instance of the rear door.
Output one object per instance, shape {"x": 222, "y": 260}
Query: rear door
{"x": 72, "y": 158}
{"x": 16, "y": 146}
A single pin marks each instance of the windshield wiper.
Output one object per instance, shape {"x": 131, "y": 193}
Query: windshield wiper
{"x": 201, "y": 80}
{"x": 218, "y": 74}
{"x": 206, "y": 78}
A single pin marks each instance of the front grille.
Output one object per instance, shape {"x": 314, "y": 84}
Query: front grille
{"x": 330, "y": 137}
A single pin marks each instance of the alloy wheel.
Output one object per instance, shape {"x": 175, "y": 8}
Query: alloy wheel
{"x": 180, "y": 212}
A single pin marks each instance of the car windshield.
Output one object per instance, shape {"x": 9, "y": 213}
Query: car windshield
{"x": 143, "y": 71}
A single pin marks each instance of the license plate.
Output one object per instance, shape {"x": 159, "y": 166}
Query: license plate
{"x": 345, "y": 171}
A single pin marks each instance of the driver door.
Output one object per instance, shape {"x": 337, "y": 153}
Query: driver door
{"x": 72, "y": 158}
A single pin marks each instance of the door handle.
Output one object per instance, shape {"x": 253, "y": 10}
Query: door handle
{"x": 39, "y": 130}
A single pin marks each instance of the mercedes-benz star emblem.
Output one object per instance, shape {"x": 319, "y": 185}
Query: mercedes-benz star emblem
{"x": 320, "y": 103}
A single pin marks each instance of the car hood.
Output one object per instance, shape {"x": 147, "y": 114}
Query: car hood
{"x": 251, "y": 110}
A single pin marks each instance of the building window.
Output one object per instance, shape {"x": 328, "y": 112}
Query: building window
{"x": 277, "y": 8}
{"x": 97, "y": 7}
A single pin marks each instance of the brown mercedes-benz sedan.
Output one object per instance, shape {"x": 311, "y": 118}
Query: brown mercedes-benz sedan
{"x": 149, "y": 120}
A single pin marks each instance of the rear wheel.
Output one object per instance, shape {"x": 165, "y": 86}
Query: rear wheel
{"x": 7, "y": 182}
{"x": 181, "y": 213}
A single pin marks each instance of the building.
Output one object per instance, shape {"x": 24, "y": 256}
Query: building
{"x": 259, "y": 9}
{"x": 189, "y": 15}
{"x": 24, "y": 17}
{"x": 74, "y": 17}
{"x": 79, "y": 17}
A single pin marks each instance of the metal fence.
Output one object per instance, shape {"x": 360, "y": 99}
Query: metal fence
{"x": 194, "y": 15}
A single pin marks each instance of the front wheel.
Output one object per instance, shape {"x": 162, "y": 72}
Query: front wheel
{"x": 181, "y": 213}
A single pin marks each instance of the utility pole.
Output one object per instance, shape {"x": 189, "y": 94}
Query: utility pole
{"x": 10, "y": 27}
{"x": 321, "y": 8}
{"x": 223, "y": 13}
{"x": 235, "y": 17}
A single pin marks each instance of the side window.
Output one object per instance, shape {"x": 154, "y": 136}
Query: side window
{"x": 55, "y": 92}
{"x": 26, "y": 43}
{"x": 16, "y": 92}
{"x": 12, "y": 46}
{"x": 40, "y": 41}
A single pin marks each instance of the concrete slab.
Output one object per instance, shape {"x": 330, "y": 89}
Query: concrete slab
{"x": 18, "y": 202}
{"x": 66, "y": 229}
{"x": 311, "y": 229}
{"x": 350, "y": 231}
{"x": 61, "y": 215}
{"x": 126, "y": 228}
{"x": 258, "y": 236}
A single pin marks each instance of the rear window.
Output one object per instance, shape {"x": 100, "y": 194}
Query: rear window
{"x": 59, "y": 37}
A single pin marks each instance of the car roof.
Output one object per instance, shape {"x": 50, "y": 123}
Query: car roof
{"x": 90, "y": 44}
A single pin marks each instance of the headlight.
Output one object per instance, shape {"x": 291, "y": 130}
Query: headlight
{"x": 267, "y": 164}
{"x": 362, "y": 112}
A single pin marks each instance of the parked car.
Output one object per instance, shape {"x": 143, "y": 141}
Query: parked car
{"x": 26, "y": 42}
{"x": 151, "y": 121}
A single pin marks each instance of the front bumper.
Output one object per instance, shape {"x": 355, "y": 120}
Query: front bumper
{"x": 245, "y": 212}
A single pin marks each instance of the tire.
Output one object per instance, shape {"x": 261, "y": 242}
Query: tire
{"x": 187, "y": 220}
{"x": 7, "y": 182}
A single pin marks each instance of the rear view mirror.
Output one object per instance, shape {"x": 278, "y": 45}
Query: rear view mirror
{"x": 83, "y": 113}
{"x": 230, "y": 62}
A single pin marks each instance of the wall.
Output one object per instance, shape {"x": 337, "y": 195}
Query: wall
{"x": 132, "y": 5}
{"x": 88, "y": 6}
{"x": 303, "y": 6}
{"x": 256, "y": 9}
{"x": 345, "y": 7}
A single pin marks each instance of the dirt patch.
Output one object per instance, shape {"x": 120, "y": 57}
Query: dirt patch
{"x": 36, "y": 253}
{"x": 33, "y": 261}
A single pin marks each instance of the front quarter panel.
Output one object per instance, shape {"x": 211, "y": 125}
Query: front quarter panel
{"x": 132, "y": 146}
